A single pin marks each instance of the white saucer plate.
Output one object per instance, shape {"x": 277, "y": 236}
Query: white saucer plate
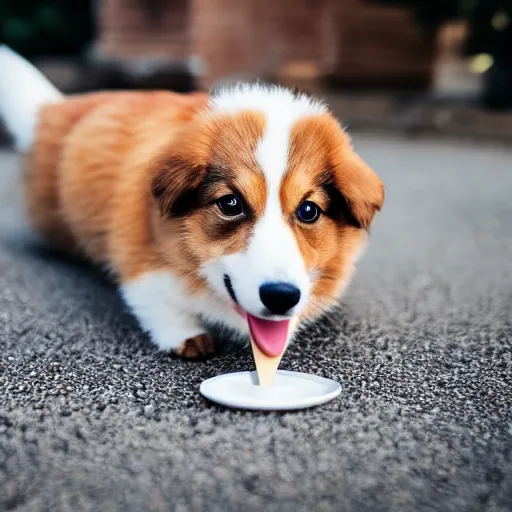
{"x": 289, "y": 391}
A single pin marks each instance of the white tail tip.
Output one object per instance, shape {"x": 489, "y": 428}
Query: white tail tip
{"x": 23, "y": 90}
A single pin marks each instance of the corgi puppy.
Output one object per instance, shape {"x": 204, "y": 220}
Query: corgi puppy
{"x": 244, "y": 208}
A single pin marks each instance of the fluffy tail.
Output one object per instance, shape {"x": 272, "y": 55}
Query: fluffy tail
{"x": 23, "y": 90}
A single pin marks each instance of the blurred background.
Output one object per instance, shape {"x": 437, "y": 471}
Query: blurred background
{"x": 92, "y": 418}
{"x": 412, "y": 65}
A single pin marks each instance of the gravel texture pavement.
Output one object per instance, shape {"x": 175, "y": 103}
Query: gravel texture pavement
{"x": 92, "y": 417}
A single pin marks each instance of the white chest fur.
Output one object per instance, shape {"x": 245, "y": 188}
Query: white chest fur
{"x": 170, "y": 313}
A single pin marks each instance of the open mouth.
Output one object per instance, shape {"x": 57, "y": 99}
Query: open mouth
{"x": 269, "y": 335}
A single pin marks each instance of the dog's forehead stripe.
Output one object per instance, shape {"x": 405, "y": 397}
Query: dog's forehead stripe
{"x": 272, "y": 153}
{"x": 281, "y": 110}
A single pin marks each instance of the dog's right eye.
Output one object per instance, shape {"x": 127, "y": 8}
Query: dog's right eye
{"x": 308, "y": 212}
{"x": 230, "y": 205}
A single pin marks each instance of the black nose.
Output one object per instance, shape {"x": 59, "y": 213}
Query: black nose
{"x": 279, "y": 297}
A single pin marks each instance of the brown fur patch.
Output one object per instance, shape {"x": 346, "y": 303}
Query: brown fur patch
{"x": 324, "y": 169}
{"x": 199, "y": 347}
{"x": 213, "y": 158}
{"x": 89, "y": 174}
{"x": 42, "y": 172}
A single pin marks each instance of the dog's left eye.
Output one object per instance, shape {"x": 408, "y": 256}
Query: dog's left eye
{"x": 230, "y": 205}
{"x": 308, "y": 212}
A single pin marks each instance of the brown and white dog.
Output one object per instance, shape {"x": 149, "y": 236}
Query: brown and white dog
{"x": 243, "y": 208}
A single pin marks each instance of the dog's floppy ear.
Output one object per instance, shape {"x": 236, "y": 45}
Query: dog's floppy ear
{"x": 175, "y": 185}
{"x": 361, "y": 189}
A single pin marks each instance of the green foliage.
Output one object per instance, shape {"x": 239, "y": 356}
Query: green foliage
{"x": 46, "y": 27}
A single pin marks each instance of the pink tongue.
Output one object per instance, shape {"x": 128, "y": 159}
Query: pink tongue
{"x": 268, "y": 335}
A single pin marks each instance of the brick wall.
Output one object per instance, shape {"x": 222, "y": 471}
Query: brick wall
{"x": 293, "y": 41}
{"x": 223, "y": 39}
{"x": 138, "y": 28}
{"x": 255, "y": 38}
{"x": 380, "y": 44}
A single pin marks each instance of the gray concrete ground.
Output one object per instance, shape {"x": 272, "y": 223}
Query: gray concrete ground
{"x": 93, "y": 418}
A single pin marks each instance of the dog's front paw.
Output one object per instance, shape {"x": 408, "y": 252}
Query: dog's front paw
{"x": 199, "y": 346}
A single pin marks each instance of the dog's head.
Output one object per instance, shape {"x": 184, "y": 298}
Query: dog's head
{"x": 267, "y": 202}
